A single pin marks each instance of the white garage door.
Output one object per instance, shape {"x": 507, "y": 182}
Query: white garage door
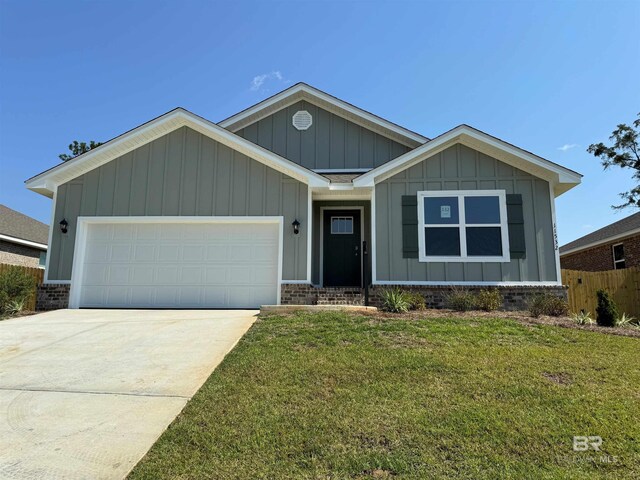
{"x": 179, "y": 265}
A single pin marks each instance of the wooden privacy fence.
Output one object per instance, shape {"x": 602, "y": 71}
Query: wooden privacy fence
{"x": 623, "y": 286}
{"x": 34, "y": 272}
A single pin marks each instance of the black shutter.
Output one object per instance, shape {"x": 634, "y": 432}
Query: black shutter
{"x": 515, "y": 219}
{"x": 409, "y": 226}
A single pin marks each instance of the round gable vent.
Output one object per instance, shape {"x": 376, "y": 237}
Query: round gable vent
{"x": 302, "y": 120}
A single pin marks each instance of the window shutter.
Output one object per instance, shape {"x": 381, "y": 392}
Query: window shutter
{"x": 409, "y": 226}
{"x": 515, "y": 220}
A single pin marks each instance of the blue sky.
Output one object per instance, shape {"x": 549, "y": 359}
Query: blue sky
{"x": 541, "y": 75}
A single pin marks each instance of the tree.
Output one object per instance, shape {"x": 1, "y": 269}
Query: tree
{"x": 624, "y": 153}
{"x": 78, "y": 148}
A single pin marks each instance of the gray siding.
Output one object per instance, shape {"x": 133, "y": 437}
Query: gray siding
{"x": 316, "y": 240}
{"x": 330, "y": 142}
{"x": 183, "y": 173}
{"x": 462, "y": 168}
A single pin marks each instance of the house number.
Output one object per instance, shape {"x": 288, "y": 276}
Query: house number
{"x": 445, "y": 211}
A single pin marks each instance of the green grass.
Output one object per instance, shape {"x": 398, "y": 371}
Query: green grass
{"x": 338, "y": 396}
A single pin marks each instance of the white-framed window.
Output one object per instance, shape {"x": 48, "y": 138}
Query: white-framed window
{"x": 42, "y": 261}
{"x": 341, "y": 225}
{"x": 618, "y": 256}
{"x": 463, "y": 226}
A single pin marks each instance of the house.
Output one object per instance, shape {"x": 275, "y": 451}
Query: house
{"x": 275, "y": 204}
{"x": 610, "y": 248}
{"x": 23, "y": 240}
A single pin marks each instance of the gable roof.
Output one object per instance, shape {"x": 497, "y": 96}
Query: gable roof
{"x": 561, "y": 178}
{"x": 302, "y": 91}
{"x": 46, "y": 182}
{"x": 620, "y": 229}
{"x": 17, "y": 227}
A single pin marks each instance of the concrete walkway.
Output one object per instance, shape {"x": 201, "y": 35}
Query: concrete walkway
{"x": 85, "y": 393}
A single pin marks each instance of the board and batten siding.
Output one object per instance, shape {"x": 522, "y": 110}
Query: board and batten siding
{"x": 331, "y": 142}
{"x": 462, "y": 168}
{"x": 183, "y": 173}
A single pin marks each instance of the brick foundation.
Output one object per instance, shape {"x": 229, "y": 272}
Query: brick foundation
{"x": 515, "y": 297}
{"x": 52, "y": 296}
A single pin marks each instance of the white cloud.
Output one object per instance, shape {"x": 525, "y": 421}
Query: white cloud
{"x": 568, "y": 146}
{"x": 259, "y": 80}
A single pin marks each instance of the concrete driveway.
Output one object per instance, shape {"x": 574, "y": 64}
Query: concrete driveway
{"x": 85, "y": 393}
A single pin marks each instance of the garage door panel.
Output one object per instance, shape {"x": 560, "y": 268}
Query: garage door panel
{"x": 189, "y": 265}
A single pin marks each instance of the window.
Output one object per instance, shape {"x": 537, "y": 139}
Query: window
{"x": 618, "y": 256}
{"x": 341, "y": 225}
{"x": 43, "y": 259}
{"x": 466, "y": 226}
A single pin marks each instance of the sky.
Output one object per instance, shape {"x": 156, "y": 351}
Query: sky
{"x": 550, "y": 77}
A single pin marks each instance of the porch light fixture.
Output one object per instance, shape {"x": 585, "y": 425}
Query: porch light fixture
{"x": 64, "y": 225}
{"x": 296, "y": 226}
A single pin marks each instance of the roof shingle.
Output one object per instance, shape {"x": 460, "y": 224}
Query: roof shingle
{"x": 628, "y": 224}
{"x": 18, "y": 225}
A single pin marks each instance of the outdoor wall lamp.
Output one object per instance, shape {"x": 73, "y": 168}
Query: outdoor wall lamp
{"x": 64, "y": 225}
{"x": 296, "y": 226}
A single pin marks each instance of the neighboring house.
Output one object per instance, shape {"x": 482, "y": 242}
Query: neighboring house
{"x": 612, "y": 247}
{"x": 273, "y": 204}
{"x": 23, "y": 240}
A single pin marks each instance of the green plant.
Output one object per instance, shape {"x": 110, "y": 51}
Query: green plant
{"x": 607, "y": 311}
{"x": 626, "y": 320}
{"x": 489, "y": 299}
{"x": 548, "y": 304}
{"x": 416, "y": 301}
{"x": 395, "y": 300}
{"x": 15, "y": 285}
{"x": 582, "y": 318}
{"x": 13, "y": 307}
{"x": 460, "y": 300}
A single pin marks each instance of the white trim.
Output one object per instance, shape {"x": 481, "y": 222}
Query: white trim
{"x": 341, "y": 170}
{"x": 81, "y": 241}
{"x": 295, "y": 282}
{"x": 462, "y": 225}
{"x": 614, "y": 255}
{"x": 600, "y": 242}
{"x": 468, "y": 284}
{"x": 309, "y": 232}
{"x": 56, "y": 282}
{"x": 28, "y": 243}
{"x": 374, "y": 265}
{"x": 305, "y": 92}
{"x": 46, "y": 181}
{"x": 339, "y": 207}
{"x": 554, "y": 225}
{"x": 562, "y": 178}
{"x": 52, "y": 222}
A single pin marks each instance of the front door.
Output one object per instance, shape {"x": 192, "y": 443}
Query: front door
{"x": 341, "y": 248}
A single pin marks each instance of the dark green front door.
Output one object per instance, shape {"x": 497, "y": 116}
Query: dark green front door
{"x": 341, "y": 248}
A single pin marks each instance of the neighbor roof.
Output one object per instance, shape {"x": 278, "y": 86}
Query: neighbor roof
{"x": 18, "y": 226}
{"x": 47, "y": 181}
{"x": 620, "y": 229}
{"x": 302, "y": 91}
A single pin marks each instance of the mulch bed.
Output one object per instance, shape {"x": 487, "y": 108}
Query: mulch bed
{"x": 522, "y": 317}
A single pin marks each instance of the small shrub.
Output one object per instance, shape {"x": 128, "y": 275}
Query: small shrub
{"x": 583, "y": 318}
{"x": 461, "y": 300}
{"x": 626, "y": 321}
{"x": 548, "y": 304}
{"x": 607, "y": 311}
{"x": 15, "y": 285}
{"x": 416, "y": 301}
{"x": 13, "y": 307}
{"x": 395, "y": 300}
{"x": 489, "y": 299}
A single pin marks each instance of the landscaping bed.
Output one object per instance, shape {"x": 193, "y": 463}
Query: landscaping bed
{"x": 422, "y": 395}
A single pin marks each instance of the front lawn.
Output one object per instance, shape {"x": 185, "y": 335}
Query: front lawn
{"x": 334, "y": 395}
